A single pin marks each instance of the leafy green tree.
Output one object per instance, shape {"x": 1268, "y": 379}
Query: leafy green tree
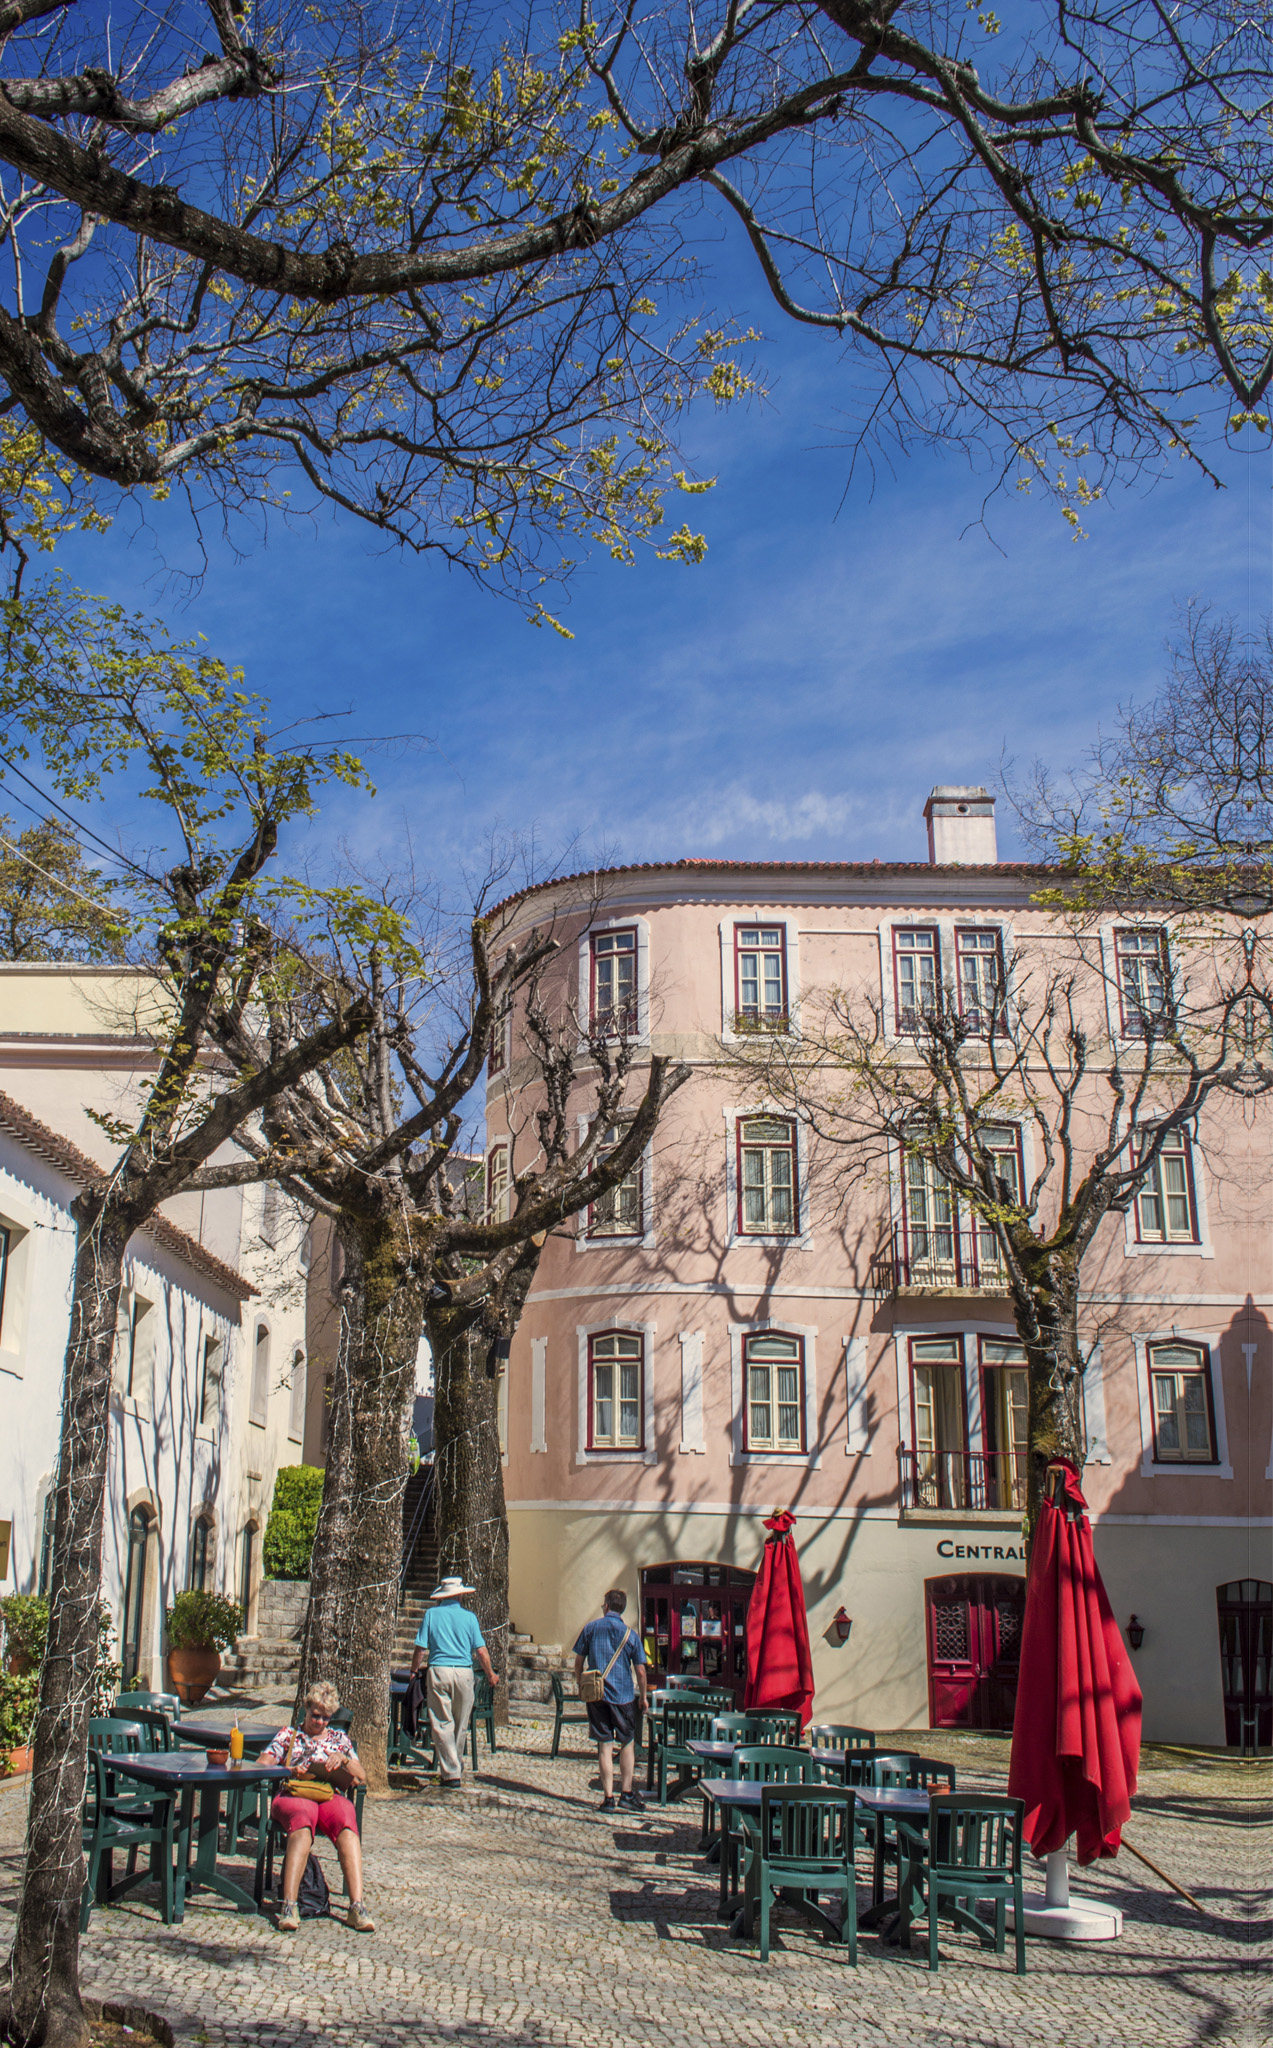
{"x": 53, "y": 905}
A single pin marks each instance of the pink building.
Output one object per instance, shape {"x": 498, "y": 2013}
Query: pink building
{"x": 737, "y": 1330}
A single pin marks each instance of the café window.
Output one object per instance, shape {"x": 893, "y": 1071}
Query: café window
{"x": 773, "y": 1400}
{"x": 940, "y": 1444}
{"x": 767, "y": 1192}
{"x": 614, "y": 985}
{"x": 620, "y": 1211}
{"x": 1141, "y": 962}
{"x": 915, "y": 974}
{"x": 616, "y": 1372}
{"x": 1166, "y": 1212}
{"x": 979, "y": 960}
{"x": 1184, "y": 1415}
{"x": 760, "y": 977}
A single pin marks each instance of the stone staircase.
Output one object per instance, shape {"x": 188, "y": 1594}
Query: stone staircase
{"x": 270, "y": 1660}
{"x": 421, "y": 1573}
{"x": 529, "y": 1664}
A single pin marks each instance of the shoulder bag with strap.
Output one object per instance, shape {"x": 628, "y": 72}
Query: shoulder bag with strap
{"x": 592, "y": 1684}
{"x": 317, "y": 1789}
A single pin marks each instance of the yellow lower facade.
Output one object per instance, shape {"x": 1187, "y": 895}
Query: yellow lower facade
{"x": 563, "y": 1559}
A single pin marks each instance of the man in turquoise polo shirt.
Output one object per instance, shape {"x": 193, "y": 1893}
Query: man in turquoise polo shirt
{"x": 453, "y": 1639}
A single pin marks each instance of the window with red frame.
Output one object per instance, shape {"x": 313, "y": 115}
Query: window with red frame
{"x": 620, "y": 1211}
{"x": 616, "y": 1372}
{"x": 760, "y": 977}
{"x": 773, "y": 1402}
{"x": 768, "y": 1197}
{"x": 1141, "y": 957}
{"x": 1166, "y": 1212}
{"x": 614, "y": 989}
{"x": 915, "y": 973}
{"x": 1184, "y": 1409}
{"x": 940, "y": 1435}
{"x": 980, "y": 975}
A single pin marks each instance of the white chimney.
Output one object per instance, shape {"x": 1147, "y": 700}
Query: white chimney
{"x": 961, "y": 827}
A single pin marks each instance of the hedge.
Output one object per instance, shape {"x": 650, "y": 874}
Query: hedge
{"x": 289, "y": 1532}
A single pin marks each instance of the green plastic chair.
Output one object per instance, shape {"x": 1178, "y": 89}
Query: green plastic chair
{"x": 972, "y": 1851}
{"x": 275, "y": 1836}
{"x": 837, "y": 1735}
{"x": 483, "y": 1711}
{"x": 678, "y": 1726}
{"x": 156, "y": 1702}
{"x": 121, "y": 1821}
{"x": 156, "y": 1729}
{"x": 758, "y": 1763}
{"x": 803, "y": 1842}
{"x": 564, "y": 1716}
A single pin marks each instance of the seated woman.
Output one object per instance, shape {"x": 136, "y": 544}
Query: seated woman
{"x": 317, "y": 1750}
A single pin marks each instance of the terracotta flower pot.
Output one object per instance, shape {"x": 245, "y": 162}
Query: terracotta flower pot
{"x": 191, "y": 1673}
{"x": 17, "y": 1664}
{"x": 19, "y": 1760}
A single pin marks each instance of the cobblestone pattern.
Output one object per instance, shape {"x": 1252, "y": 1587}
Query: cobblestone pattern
{"x": 517, "y": 1916}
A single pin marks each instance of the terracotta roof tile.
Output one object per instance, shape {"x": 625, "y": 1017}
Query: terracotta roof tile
{"x": 874, "y": 868}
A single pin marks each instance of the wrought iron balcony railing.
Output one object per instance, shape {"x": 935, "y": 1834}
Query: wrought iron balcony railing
{"x": 963, "y": 1479}
{"x": 941, "y": 1260}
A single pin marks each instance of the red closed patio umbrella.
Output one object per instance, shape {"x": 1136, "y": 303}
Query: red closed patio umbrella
{"x": 1076, "y": 1732}
{"x": 779, "y": 1659}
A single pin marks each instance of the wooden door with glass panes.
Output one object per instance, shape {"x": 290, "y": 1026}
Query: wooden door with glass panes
{"x": 694, "y": 1622}
{"x": 974, "y": 1649}
{"x": 1004, "y": 1412}
{"x": 1245, "y": 1608}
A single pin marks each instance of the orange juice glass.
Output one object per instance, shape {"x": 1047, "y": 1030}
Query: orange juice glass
{"x": 236, "y": 1745}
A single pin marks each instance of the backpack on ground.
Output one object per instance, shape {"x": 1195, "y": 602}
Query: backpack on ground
{"x": 313, "y": 1900}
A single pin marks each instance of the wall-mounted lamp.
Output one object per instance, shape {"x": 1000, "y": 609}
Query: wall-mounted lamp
{"x": 842, "y": 1624}
{"x": 1135, "y": 1632}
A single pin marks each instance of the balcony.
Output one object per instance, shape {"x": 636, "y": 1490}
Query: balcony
{"x": 935, "y": 1259}
{"x": 963, "y": 1482}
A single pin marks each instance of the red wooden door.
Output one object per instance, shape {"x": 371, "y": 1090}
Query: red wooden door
{"x": 1246, "y": 1662}
{"x": 974, "y": 1649}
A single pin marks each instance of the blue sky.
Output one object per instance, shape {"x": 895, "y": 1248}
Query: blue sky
{"x": 837, "y": 653}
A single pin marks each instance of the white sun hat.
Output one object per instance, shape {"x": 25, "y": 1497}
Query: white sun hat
{"x": 451, "y": 1589}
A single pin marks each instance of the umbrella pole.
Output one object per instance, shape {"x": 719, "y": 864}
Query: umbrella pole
{"x": 1057, "y": 1916}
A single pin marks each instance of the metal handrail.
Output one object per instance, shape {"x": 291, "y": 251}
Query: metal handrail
{"x": 941, "y": 1258}
{"x": 412, "y": 1535}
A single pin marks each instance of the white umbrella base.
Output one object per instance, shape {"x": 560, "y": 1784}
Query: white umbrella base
{"x": 1081, "y": 1920}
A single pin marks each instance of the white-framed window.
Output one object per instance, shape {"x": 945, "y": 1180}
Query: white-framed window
{"x": 760, "y": 977}
{"x": 143, "y": 1325}
{"x": 213, "y": 1380}
{"x": 773, "y": 1372}
{"x": 1141, "y": 972}
{"x": 616, "y": 1393}
{"x": 774, "y": 1404}
{"x": 1166, "y": 1208}
{"x": 1182, "y": 1404}
{"x": 1005, "y": 1400}
{"x": 944, "y": 1242}
{"x": 259, "y": 1404}
{"x": 916, "y": 974}
{"x": 498, "y": 1185}
{"x": 768, "y": 1177}
{"x": 299, "y": 1386}
{"x": 620, "y": 1211}
{"x": 980, "y": 980}
{"x": 613, "y": 1005}
{"x": 939, "y": 1422}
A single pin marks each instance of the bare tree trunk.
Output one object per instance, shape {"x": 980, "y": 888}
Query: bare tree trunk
{"x": 357, "y": 1559}
{"x": 1048, "y": 1326}
{"x": 44, "y": 1995}
{"x": 471, "y": 1517}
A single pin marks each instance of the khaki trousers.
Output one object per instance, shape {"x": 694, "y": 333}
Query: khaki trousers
{"x": 450, "y": 1696}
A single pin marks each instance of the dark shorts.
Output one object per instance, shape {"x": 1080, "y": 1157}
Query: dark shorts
{"x": 611, "y": 1721}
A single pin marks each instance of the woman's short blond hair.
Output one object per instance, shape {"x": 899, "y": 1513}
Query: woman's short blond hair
{"x": 323, "y": 1695}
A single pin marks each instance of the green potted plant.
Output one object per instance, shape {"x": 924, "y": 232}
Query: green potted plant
{"x": 26, "y": 1628}
{"x": 200, "y": 1626}
{"x": 19, "y": 1697}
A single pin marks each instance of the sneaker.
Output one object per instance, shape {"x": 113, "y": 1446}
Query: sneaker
{"x": 632, "y": 1801}
{"x": 609, "y": 1804}
{"x": 361, "y": 1922}
{"x": 450, "y": 1784}
{"x": 289, "y": 1918}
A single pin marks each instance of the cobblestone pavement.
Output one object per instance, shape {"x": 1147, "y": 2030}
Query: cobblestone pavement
{"x": 517, "y": 1915}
